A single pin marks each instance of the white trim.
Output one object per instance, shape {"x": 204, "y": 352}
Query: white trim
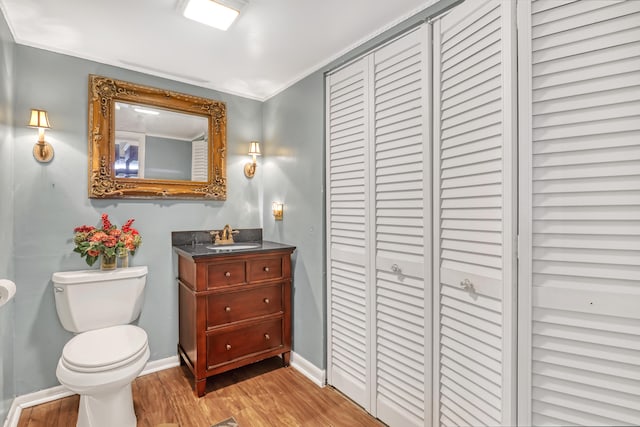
{"x": 327, "y": 225}
{"x": 427, "y": 165}
{"x": 33, "y": 399}
{"x": 60, "y": 392}
{"x": 525, "y": 212}
{"x": 436, "y": 36}
{"x": 370, "y": 245}
{"x": 509, "y": 200}
{"x": 160, "y": 365}
{"x": 308, "y": 369}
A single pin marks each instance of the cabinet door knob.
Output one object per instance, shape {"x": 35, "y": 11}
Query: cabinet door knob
{"x": 267, "y": 337}
{"x": 227, "y": 309}
{"x": 227, "y": 274}
{"x": 266, "y": 269}
{"x": 228, "y": 347}
{"x": 266, "y": 301}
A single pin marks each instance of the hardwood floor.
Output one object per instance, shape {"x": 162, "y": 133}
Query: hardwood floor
{"x": 262, "y": 394}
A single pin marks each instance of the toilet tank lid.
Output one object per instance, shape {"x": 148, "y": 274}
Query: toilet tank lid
{"x": 84, "y": 276}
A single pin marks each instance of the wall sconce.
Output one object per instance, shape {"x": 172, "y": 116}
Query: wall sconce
{"x": 278, "y": 210}
{"x": 250, "y": 167}
{"x": 42, "y": 151}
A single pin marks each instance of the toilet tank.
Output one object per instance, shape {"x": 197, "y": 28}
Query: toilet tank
{"x": 94, "y": 299}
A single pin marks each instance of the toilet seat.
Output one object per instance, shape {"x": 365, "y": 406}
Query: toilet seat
{"x": 104, "y": 349}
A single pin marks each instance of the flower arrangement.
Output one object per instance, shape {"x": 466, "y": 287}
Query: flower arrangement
{"x": 91, "y": 242}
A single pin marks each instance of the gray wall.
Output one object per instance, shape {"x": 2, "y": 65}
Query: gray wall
{"x": 7, "y": 49}
{"x": 166, "y": 158}
{"x": 293, "y": 174}
{"x": 51, "y": 199}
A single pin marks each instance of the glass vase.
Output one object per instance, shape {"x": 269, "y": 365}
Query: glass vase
{"x": 107, "y": 262}
{"x": 123, "y": 258}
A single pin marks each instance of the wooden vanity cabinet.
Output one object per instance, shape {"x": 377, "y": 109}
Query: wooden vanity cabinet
{"x": 234, "y": 309}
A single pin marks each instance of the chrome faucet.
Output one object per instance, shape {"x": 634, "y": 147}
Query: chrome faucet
{"x": 224, "y": 236}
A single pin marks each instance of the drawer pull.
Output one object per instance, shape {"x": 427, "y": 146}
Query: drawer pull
{"x": 228, "y": 347}
{"x": 227, "y": 274}
{"x": 267, "y": 337}
{"x": 227, "y": 309}
{"x": 266, "y": 301}
{"x": 266, "y": 269}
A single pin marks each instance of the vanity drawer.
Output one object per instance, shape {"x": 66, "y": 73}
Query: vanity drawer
{"x": 230, "y": 307}
{"x": 264, "y": 268}
{"x": 225, "y": 274}
{"x": 224, "y": 347}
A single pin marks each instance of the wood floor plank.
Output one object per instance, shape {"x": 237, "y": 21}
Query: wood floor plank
{"x": 68, "y": 413}
{"x": 260, "y": 395}
{"x": 25, "y": 416}
{"x": 45, "y": 415}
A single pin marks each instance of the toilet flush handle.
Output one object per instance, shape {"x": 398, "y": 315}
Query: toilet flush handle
{"x": 58, "y": 289}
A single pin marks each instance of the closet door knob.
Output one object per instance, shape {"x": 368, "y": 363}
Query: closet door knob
{"x": 266, "y": 269}
{"x": 467, "y": 285}
{"x": 266, "y": 301}
{"x": 228, "y": 347}
{"x": 395, "y": 268}
{"x": 227, "y": 309}
{"x": 227, "y": 274}
{"x": 267, "y": 337}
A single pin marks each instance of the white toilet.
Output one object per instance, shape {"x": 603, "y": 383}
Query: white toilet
{"x": 107, "y": 354}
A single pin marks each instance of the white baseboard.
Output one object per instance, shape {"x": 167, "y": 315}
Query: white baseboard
{"x": 160, "y": 365}
{"x": 308, "y": 369}
{"x": 298, "y": 362}
{"x": 58, "y": 392}
{"x": 33, "y": 399}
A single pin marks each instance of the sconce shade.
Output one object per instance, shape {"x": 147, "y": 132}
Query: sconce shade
{"x": 39, "y": 119}
{"x": 250, "y": 168}
{"x": 254, "y": 148}
{"x": 42, "y": 151}
{"x": 277, "y": 209}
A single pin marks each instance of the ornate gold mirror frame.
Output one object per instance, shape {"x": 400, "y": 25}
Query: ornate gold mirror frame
{"x": 104, "y": 92}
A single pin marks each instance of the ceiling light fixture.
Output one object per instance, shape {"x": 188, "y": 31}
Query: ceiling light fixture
{"x": 219, "y": 14}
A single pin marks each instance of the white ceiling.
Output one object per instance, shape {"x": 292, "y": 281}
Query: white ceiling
{"x": 273, "y": 43}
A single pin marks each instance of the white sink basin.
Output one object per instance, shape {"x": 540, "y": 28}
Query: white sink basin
{"x": 231, "y": 248}
{"x": 7, "y": 291}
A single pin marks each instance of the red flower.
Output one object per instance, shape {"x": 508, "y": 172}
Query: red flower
{"x": 126, "y": 228}
{"x": 106, "y": 224}
{"x": 110, "y": 241}
{"x": 100, "y": 236}
{"x": 84, "y": 229}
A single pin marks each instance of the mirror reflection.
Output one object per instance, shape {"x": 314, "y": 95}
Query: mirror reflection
{"x": 157, "y": 143}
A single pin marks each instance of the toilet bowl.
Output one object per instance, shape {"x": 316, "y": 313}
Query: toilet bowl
{"x": 100, "y": 365}
{"x": 108, "y": 353}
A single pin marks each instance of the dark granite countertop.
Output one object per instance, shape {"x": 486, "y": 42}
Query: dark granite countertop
{"x": 203, "y": 250}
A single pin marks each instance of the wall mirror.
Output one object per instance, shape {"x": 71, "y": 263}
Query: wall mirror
{"x": 146, "y": 142}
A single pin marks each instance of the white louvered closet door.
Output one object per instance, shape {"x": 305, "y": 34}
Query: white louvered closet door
{"x": 348, "y": 239}
{"x": 199, "y": 160}
{"x": 474, "y": 209}
{"x": 580, "y": 199}
{"x": 402, "y": 196}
